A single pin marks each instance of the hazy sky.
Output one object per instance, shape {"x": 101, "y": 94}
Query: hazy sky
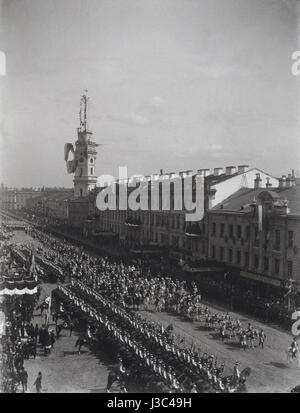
{"x": 174, "y": 84}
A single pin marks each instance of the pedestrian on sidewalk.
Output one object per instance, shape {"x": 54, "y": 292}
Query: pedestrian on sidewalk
{"x": 71, "y": 328}
{"x": 52, "y": 338}
{"x": 261, "y": 338}
{"x": 36, "y": 332}
{"x": 24, "y": 379}
{"x": 38, "y": 383}
{"x": 79, "y": 343}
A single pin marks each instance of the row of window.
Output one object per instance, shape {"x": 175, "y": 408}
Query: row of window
{"x": 235, "y": 257}
{"x": 91, "y": 171}
{"x": 239, "y": 232}
{"x": 231, "y": 230}
{"x": 162, "y": 238}
{"x": 174, "y": 221}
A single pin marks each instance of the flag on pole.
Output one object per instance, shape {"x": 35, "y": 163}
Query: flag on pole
{"x": 49, "y": 302}
{"x": 32, "y": 269}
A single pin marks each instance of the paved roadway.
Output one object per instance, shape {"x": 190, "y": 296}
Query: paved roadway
{"x": 67, "y": 372}
{"x": 270, "y": 371}
{"x": 64, "y": 370}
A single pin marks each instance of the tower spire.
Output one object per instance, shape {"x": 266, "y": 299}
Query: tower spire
{"x": 83, "y": 112}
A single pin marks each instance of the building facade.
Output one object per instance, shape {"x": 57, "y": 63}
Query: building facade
{"x": 13, "y": 199}
{"x": 258, "y": 233}
{"x": 169, "y": 229}
{"x": 51, "y": 204}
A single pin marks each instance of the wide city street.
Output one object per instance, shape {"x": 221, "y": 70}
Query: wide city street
{"x": 66, "y": 371}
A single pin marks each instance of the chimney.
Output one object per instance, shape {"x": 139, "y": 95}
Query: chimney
{"x": 203, "y": 172}
{"x": 242, "y": 168}
{"x": 286, "y": 206}
{"x": 184, "y": 174}
{"x": 230, "y": 170}
{"x": 293, "y": 179}
{"x": 257, "y": 181}
{"x": 268, "y": 184}
{"x": 161, "y": 172}
{"x": 283, "y": 181}
{"x": 290, "y": 180}
{"x": 218, "y": 171}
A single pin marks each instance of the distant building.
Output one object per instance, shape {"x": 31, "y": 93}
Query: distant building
{"x": 13, "y": 199}
{"x": 51, "y": 203}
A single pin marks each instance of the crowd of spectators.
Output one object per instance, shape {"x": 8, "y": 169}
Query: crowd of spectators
{"x": 18, "y": 342}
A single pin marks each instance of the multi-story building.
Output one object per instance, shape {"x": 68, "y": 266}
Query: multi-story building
{"x": 51, "y": 203}
{"x": 257, "y": 232}
{"x": 13, "y": 199}
{"x": 167, "y": 228}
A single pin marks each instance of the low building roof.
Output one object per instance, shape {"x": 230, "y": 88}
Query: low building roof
{"x": 216, "y": 179}
{"x": 244, "y": 197}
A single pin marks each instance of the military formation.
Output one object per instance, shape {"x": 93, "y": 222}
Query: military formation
{"x": 146, "y": 345}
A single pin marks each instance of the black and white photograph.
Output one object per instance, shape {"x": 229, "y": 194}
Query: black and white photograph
{"x": 149, "y": 199}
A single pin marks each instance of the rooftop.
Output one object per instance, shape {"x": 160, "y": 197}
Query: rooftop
{"x": 244, "y": 197}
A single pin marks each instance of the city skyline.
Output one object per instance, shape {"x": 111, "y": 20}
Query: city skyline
{"x": 173, "y": 86}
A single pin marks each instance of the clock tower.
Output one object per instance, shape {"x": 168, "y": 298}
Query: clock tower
{"x": 85, "y": 154}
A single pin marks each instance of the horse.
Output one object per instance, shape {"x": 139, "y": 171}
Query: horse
{"x": 116, "y": 376}
{"x": 238, "y": 384}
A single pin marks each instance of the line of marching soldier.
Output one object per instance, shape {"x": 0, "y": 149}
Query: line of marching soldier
{"x": 180, "y": 369}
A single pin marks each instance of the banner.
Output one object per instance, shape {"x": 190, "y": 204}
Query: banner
{"x": 16, "y": 291}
